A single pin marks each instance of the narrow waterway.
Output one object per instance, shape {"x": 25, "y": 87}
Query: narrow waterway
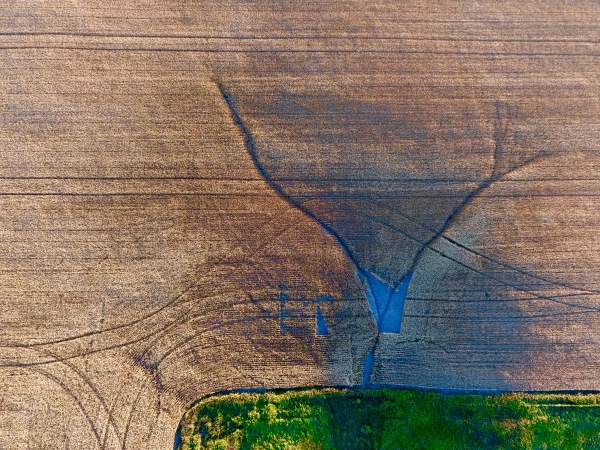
{"x": 387, "y": 306}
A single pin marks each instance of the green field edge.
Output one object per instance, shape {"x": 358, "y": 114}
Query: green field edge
{"x": 567, "y": 399}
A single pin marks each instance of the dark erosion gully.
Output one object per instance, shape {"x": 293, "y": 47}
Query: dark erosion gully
{"x": 386, "y": 301}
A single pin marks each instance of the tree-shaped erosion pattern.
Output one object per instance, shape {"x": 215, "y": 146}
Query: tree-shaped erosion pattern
{"x": 429, "y": 205}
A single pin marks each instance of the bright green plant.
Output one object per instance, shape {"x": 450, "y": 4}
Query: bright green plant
{"x": 386, "y": 419}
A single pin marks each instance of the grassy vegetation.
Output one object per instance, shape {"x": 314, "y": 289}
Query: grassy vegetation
{"x": 392, "y": 419}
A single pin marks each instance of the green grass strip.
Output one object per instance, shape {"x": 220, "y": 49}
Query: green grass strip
{"x": 392, "y": 419}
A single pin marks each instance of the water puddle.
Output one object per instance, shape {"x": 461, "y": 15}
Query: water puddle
{"x": 368, "y": 367}
{"x": 321, "y": 325}
{"x": 386, "y": 302}
{"x": 387, "y": 306}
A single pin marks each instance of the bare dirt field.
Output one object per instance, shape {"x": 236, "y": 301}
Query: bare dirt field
{"x": 199, "y": 196}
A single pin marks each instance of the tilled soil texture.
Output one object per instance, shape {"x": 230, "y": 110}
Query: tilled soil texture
{"x": 215, "y": 195}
